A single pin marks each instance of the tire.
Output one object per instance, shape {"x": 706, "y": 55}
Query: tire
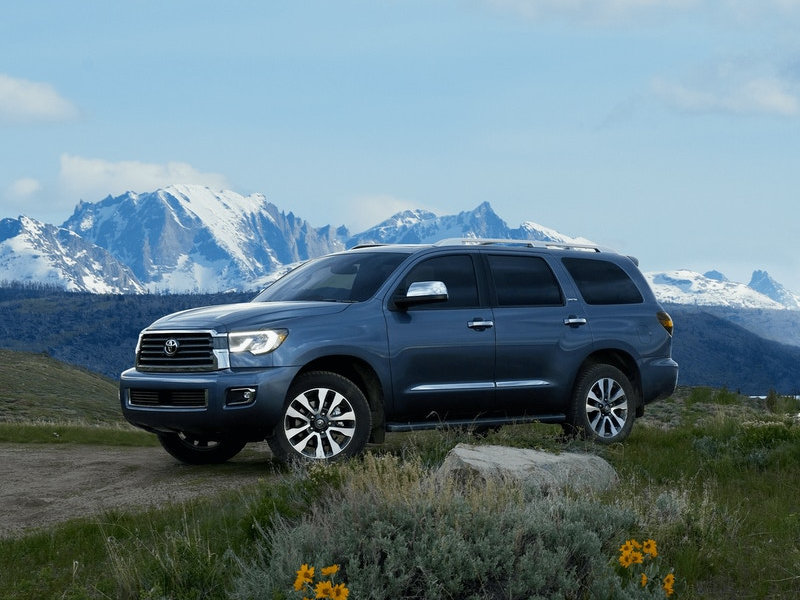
{"x": 325, "y": 417}
{"x": 603, "y": 405}
{"x": 199, "y": 451}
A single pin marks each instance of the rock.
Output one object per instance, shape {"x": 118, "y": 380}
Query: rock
{"x": 549, "y": 471}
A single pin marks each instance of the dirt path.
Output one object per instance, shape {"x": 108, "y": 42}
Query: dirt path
{"x": 45, "y": 484}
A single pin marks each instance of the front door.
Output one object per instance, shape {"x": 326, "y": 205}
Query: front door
{"x": 442, "y": 354}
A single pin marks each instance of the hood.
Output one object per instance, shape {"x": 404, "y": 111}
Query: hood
{"x": 250, "y": 315}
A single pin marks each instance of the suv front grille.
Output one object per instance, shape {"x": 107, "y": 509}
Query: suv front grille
{"x": 181, "y": 398}
{"x": 176, "y": 351}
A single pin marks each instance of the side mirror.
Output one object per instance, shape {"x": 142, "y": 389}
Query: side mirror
{"x": 422, "y": 292}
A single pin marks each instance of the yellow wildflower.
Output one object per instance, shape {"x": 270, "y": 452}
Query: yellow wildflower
{"x": 650, "y": 548}
{"x": 340, "y": 592}
{"x": 626, "y": 548}
{"x": 304, "y": 575}
{"x": 637, "y": 558}
{"x": 626, "y": 559}
{"x": 328, "y": 571}
{"x": 324, "y": 589}
{"x": 669, "y": 582}
{"x": 644, "y": 579}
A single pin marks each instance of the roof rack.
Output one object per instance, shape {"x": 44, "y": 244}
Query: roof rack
{"x": 523, "y": 243}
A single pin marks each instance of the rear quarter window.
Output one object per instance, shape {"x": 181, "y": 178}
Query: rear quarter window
{"x": 602, "y": 282}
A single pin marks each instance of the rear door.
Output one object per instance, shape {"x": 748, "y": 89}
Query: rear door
{"x": 541, "y": 334}
{"x": 442, "y": 354}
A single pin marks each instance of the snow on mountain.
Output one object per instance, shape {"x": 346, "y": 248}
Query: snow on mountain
{"x": 422, "y": 226}
{"x": 31, "y": 251}
{"x": 190, "y": 238}
{"x": 763, "y": 283}
{"x": 688, "y": 287}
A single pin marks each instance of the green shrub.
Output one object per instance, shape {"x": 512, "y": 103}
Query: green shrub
{"x": 782, "y": 404}
{"x": 397, "y": 532}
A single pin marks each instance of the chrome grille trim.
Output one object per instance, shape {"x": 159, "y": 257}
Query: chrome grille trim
{"x": 201, "y": 350}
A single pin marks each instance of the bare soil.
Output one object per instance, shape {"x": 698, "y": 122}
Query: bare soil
{"x": 44, "y": 484}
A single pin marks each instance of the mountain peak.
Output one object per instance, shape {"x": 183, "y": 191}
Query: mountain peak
{"x": 192, "y": 238}
{"x": 762, "y": 282}
{"x": 715, "y": 275}
{"x": 687, "y": 287}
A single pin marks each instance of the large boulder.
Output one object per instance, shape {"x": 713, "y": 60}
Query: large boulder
{"x": 551, "y": 472}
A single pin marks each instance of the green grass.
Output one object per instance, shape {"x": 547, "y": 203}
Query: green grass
{"x": 75, "y": 433}
{"x": 712, "y": 476}
{"x": 35, "y": 387}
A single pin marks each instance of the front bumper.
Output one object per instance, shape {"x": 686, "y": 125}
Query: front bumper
{"x": 157, "y": 401}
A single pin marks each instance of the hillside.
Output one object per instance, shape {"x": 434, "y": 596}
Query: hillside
{"x": 36, "y": 387}
{"x": 713, "y": 351}
{"x": 95, "y": 331}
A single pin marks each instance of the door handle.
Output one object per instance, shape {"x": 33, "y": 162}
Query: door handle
{"x": 574, "y": 321}
{"x": 480, "y": 324}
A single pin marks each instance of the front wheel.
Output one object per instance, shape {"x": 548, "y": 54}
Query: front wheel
{"x": 194, "y": 450}
{"x": 325, "y": 417}
{"x": 603, "y": 405}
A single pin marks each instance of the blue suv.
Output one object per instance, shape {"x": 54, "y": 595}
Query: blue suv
{"x": 348, "y": 346}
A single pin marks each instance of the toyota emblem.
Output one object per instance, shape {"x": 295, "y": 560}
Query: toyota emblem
{"x": 171, "y": 347}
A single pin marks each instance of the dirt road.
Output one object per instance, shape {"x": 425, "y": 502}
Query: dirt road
{"x": 45, "y": 484}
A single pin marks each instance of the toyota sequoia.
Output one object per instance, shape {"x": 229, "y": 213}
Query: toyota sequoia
{"x": 464, "y": 333}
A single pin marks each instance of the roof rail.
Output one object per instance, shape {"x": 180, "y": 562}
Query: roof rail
{"x": 367, "y": 245}
{"x": 524, "y": 243}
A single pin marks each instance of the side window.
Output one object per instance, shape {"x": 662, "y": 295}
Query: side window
{"x": 458, "y": 274}
{"x": 602, "y": 282}
{"x": 524, "y": 281}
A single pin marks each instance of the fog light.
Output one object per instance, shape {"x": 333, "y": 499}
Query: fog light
{"x": 238, "y": 396}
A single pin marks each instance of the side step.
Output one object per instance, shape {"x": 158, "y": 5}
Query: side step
{"x": 473, "y": 423}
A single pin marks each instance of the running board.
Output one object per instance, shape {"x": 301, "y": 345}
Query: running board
{"x": 473, "y": 423}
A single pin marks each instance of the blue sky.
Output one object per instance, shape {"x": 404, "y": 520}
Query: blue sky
{"x": 667, "y": 129}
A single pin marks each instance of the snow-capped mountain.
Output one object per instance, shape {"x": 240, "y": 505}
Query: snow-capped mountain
{"x": 763, "y": 283}
{"x": 422, "y": 226}
{"x": 31, "y": 251}
{"x": 190, "y": 238}
{"x": 712, "y": 289}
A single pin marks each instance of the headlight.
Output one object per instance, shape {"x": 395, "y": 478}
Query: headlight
{"x": 256, "y": 342}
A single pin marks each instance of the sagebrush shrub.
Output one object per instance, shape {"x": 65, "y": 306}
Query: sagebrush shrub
{"x": 398, "y": 532}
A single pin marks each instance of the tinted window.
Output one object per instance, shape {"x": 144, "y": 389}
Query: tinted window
{"x": 602, "y": 282}
{"x": 458, "y": 274}
{"x": 347, "y": 277}
{"x": 524, "y": 281}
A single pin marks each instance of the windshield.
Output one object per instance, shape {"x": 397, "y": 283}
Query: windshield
{"x": 347, "y": 277}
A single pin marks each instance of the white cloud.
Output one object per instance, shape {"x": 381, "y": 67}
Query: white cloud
{"x": 23, "y": 101}
{"x": 93, "y": 178}
{"x": 24, "y": 188}
{"x": 753, "y": 95}
{"x": 18, "y": 197}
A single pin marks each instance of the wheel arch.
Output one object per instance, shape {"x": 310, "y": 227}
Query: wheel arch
{"x": 363, "y": 375}
{"x": 624, "y": 362}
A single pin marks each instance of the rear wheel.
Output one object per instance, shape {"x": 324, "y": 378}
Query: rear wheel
{"x": 325, "y": 417}
{"x": 603, "y": 405}
{"x": 195, "y": 450}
